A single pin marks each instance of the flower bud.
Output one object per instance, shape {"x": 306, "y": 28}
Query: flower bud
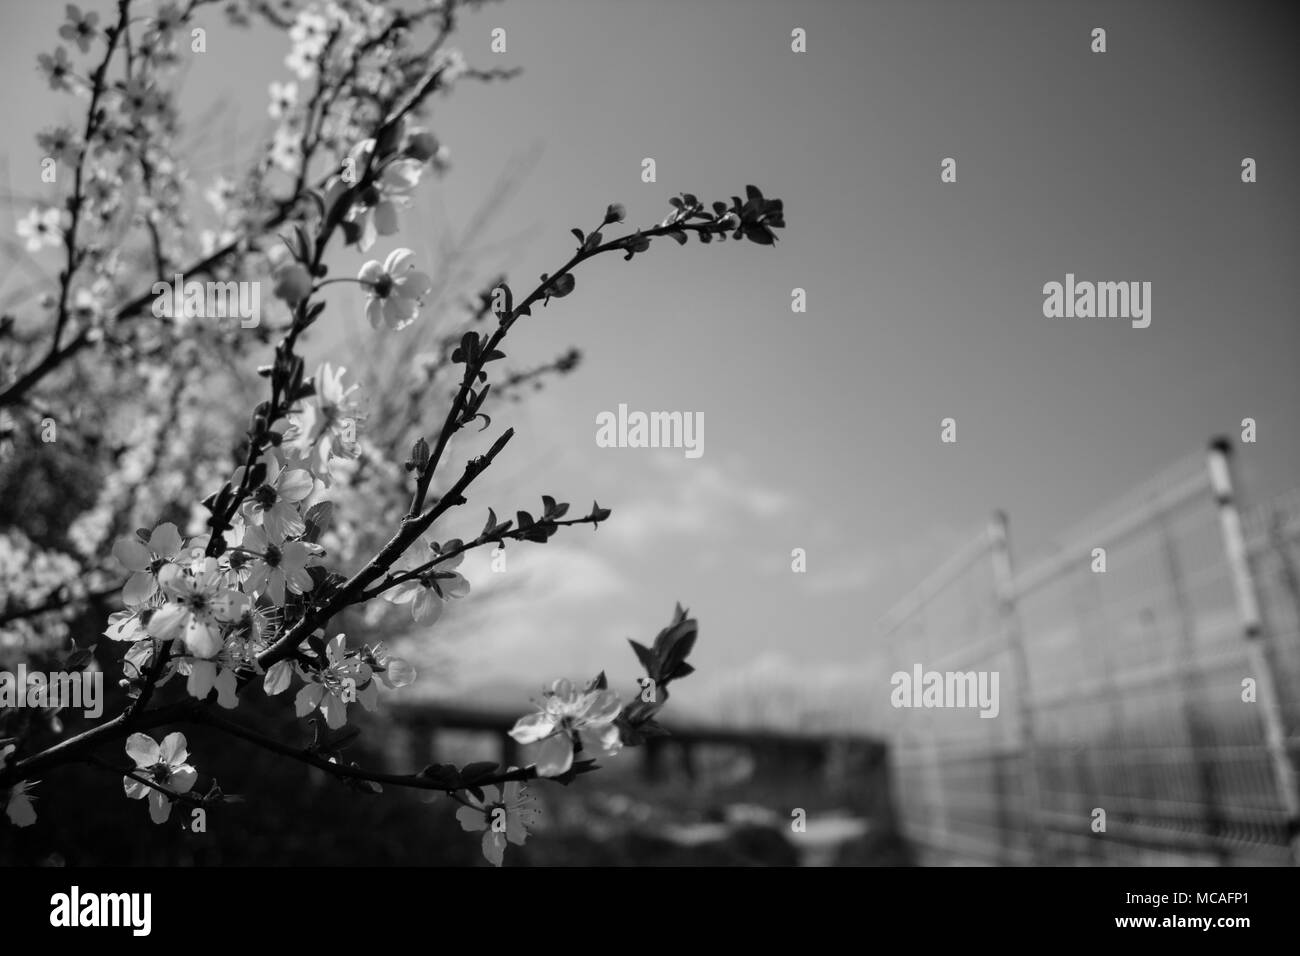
{"x": 615, "y": 213}
{"x": 421, "y": 145}
{"x": 292, "y": 282}
{"x": 419, "y": 455}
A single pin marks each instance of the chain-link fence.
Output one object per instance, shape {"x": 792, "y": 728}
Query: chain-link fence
{"x": 1146, "y": 699}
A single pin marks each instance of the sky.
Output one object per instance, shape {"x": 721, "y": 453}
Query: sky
{"x": 924, "y": 298}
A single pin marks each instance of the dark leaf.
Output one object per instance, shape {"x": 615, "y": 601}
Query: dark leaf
{"x": 477, "y": 771}
{"x": 444, "y": 775}
{"x": 318, "y": 518}
{"x": 647, "y": 657}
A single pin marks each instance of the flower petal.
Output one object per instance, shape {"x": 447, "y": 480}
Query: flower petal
{"x": 183, "y": 778}
{"x": 143, "y": 749}
{"x": 132, "y": 554}
{"x": 168, "y": 621}
{"x": 202, "y": 637}
{"x": 455, "y": 586}
{"x": 160, "y": 807}
{"x": 533, "y": 727}
{"x": 278, "y": 678}
{"x": 471, "y": 819}
{"x": 173, "y": 750}
{"x": 165, "y": 540}
{"x": 294, "y": 484}
{"x": 139, "y": 588}
{"x": 335, "y": 711}
{"x": 415, "y": 284}
{"x": 494, "y": 846}
{"x": 227, "y": 689}
{"x": 307, "y": 699}
{"x": 554, "y": 756}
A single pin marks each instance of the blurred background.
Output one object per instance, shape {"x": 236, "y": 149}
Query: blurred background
{"x": 1120, "y": 691}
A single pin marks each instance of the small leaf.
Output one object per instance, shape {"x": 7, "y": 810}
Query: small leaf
{"x": 561, "y": 286}
{"x": 444, "y": 775}
{"x": 647, "y": 658}
{"x": 79, "y": 660}
{"x": 477, "y": 771}
{"x": 318, "y": 518}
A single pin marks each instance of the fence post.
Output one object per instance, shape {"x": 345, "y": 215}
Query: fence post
{"x": 1008, "y": 613}
{"x": 1243, "y": 580}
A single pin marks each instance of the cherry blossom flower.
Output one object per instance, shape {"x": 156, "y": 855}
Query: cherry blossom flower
{"x": 163, "y": 764}
{"x": 284, "y": 96}
{"x": 568, "y": 712}
{"x": 326, "y": 428}
{"x": 140, "y": 101}
{"x": 344, "y": 679}
{"x": 393, "y": 672}
{"x": 427, "y": 593}
{"x": 374, "y": 213}
{"x": 81, "y": 27}
{"x": 291, "y": 282}
{"x": 41, "y": 228}
{"x": 274, "y": 504}
{"x": 286, "y": 150}
{"x": 114, "y": 137}
{"x": 503, "y": 816}
{"x": 279, "y": 564}
{"x": 395, "y": 289}
{"x": 301, "y": 61}
{"x": 60, "y": 145}
{"x": 18, "y": 802}
{"x": 309, "y": 34}
{"x": 220, "y": 194}
{"x": 198, "y": 605}
{"x": 310, "y": 31}
{"x": 57, "y": 68}
{"x": 146, "y": 560}
{"x": 169, "y": 18}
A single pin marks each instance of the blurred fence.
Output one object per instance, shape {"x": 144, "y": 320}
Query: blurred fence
{"x": 1124, "y": 693}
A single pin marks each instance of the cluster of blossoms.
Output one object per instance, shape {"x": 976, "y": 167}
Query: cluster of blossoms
{"x": 27, "y": 568}
{"x": 211, "y": 608}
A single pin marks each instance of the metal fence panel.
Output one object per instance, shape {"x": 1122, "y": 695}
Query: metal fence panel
{"x": 1121, "y": 690}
